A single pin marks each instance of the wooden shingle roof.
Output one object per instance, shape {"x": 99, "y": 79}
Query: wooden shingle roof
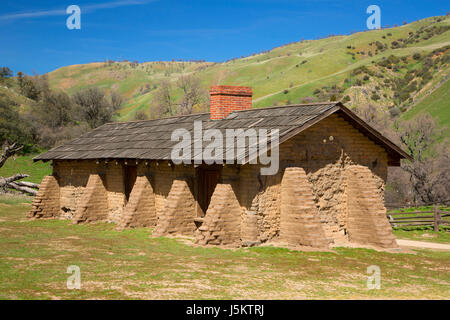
{"x": 151, "y": 139}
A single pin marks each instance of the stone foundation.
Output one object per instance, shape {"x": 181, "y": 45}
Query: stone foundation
{"x": 140, "y": 210}
{"x": 46, "y": 204}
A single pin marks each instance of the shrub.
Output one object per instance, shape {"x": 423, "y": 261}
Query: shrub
{"x": 375, "y": 97}
{"x": 394, "y": 112}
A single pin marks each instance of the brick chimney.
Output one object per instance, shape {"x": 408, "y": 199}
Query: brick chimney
{"x": 226, "y": 99}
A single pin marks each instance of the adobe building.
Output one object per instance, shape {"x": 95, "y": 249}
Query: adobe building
{"x": 328, "y": 190}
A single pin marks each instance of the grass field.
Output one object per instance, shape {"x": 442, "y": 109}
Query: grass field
{"x": 25, "y": 164}
{"x": 437, "y": 104}
{"x": 34, "y": 256}
{"x": 422, "y": 233}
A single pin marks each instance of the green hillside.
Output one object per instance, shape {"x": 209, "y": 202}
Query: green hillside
{"x": 394, "y": 68}
{"x": 437, "y": 104}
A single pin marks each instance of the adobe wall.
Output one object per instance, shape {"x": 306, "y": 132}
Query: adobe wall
{"x": 324, "y": 151}
{"x": 161, "y": 177}
{"x": 177, "y": 218}
{"x": 93, "y": 205}
{"x": 299, "y": 219}
{"x": 140, "y": 210}
{"x": 46, "y": 203}
{"x": 366, "y": 220}
{"x": 73, "y": 177}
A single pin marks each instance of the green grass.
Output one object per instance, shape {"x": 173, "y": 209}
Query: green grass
{"x": 424, "y": 233}
{"x": 34, "y": 256}
{"x": 25, "y": 164}
{"x": 437, "y": 104}
{"x": 12, "y": 199}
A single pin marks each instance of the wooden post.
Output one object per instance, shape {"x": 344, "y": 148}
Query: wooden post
{"x": 436, "y": 219}
{"x": 392, "y": 221}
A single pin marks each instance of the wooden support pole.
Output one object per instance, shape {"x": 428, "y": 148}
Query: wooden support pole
{"x": 436, "y": 218}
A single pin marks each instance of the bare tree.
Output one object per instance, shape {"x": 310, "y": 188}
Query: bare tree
{"x": 11, "y": 182}
{"x": 430, "y": 172}
{"x": 163, "y": 99}
{"x": 193, "y": 94}
{"x": 8, "y": 151}
{"x": 140, "y": 115}
{"x": 193, "y": 97}
{"x": 374, "y": 116}
{"x": 116, "y": 100}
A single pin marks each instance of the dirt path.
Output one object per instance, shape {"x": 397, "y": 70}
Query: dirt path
{"x": 422, "y": 244}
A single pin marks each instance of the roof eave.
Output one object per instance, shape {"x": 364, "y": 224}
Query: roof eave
{"x": 392, "y": 149}
{"x": 295, "y": 131}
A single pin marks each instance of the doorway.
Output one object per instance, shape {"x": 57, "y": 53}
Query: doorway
{"x": 129, "y": 178}
{"x": 207, "y": 179}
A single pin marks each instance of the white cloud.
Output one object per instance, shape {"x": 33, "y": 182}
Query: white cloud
{"x": 84, "y": 8}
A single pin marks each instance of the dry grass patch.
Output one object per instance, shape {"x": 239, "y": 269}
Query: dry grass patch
{"x": 34, "y": 256}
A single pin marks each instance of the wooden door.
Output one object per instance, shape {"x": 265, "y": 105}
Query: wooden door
{"x": 207, "y": 179}
{"x": 129, "y": 178}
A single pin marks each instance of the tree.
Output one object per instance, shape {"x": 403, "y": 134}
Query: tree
{"x": 140, "y": 115}
{"x": 376, "y": 117}
{"x": 430, "y": 170}
{"x": 11, "y": 182}
{"x": 164, "y": 100}
{"x": 193, "y": 97}
{"x": 116, "y": 100}
{"x": 93, "y": 106}
{"x": 20, "y": 80}
{"x": 5, "y": 73}
{"x": 193, "y": 94}
{"x": 32, "y": 87}
{"x": 54, "y": 109}
{"x": 12, "y": 126}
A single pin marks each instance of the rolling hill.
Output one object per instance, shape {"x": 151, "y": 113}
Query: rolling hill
{"x": 404, "y": 69}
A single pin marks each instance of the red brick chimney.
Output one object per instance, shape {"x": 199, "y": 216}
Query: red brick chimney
{"x": 226, "y": 99}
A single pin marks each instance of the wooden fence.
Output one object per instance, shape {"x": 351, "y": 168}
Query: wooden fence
{"x": 434, "y": 217}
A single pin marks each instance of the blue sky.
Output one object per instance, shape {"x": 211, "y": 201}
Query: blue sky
{"x": 35, "y": 38}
